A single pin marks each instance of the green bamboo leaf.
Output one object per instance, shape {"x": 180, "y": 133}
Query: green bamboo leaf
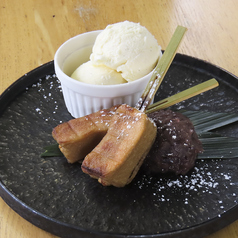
{"x": 52, "y": 151}
{"x": 215, "y": 146}
{"x": 207, "y": 121}
{"x": 218, "y": 147}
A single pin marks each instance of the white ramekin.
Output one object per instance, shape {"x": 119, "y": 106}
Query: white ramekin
{"x": 82, "y": 98}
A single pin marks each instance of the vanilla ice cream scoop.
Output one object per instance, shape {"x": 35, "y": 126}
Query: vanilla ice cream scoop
{"x": 128, "y": 48}
{"x": 97, "y": 74}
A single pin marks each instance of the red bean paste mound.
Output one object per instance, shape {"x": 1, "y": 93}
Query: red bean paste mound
{"x": 176, "y": 146}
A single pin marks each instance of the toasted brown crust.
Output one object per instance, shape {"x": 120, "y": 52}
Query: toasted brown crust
{"x": 77, "y": 137}
{"x": 118, "y": 157}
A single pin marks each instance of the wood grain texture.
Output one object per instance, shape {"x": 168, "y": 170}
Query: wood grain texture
{"x": 32, "y": 30}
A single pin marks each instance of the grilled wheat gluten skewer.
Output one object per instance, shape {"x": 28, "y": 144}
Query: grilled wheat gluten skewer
{"x": 118, "y": 157}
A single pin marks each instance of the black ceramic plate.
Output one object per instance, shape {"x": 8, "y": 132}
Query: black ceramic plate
{"x": 59, "y": 198}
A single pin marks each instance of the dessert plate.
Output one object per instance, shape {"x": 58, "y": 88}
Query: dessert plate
{"x": 59, "y": 198}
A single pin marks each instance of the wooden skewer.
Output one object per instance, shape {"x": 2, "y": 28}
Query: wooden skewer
{"x": 188, "y": 93}
{"x": 161, "y": 69}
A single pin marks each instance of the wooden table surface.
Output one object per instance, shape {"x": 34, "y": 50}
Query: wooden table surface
{"x": 32, "y": 30}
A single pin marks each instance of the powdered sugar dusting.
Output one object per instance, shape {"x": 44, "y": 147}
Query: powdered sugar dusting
{"x": 204, "y": 182}
{"x": 47, "y": 87}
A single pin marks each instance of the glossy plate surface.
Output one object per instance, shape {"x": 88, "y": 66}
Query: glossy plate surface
{"x": 59, "y": 198}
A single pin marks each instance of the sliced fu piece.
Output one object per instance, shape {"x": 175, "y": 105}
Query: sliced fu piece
{"x": 78, "y": 137}
{"x": 118, "y": 157}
